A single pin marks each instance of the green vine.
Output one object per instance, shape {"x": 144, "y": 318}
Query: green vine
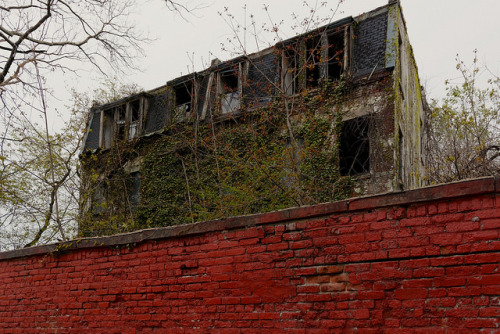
{"x": 193, "y": 172}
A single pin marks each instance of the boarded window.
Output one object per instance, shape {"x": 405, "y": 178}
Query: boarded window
{"x": 354, "y": 147}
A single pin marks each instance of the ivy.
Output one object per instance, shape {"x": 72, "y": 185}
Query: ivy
{"x": 203, "y": 171}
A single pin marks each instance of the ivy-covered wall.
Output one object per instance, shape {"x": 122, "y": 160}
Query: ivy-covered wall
{"x": 281, "y": 148}
{"x": 195, "y": 171}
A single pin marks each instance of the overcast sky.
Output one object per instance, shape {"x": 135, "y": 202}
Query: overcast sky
{"x": 438, "y": 31}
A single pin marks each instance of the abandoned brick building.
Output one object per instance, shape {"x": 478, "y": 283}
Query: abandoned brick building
{"x": 329, "y": 114}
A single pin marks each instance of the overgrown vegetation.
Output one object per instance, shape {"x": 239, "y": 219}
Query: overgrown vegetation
{"x": 195, "y": 171}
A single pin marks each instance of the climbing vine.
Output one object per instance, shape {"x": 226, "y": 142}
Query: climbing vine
{"x": 202, "y": 170}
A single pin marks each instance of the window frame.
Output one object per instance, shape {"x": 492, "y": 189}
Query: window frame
{"x": 360, "y": 135}
{"x": 127, "y": 116}
{"x": 230, "y": 100}
{"x": 313, "y": 63}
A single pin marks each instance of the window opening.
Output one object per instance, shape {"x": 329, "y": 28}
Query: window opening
{"x": 313, "y": 62}
{"x": 120, "y": 122}
{"x": 355, "y": 146}
{"x": 135, "y": 111}
{"x": 335, "y": 56}
{"x": 230, "y": 90}
{"x": 184, "y": 97}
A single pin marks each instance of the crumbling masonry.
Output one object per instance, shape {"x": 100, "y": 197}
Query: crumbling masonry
{"x": 323, "y": 116}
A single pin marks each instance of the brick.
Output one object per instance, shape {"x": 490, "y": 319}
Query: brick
{"x": 490, "y": 312}
{"x": 330, "y": 269}
{"x": 480, "y": 236}
{"x": 261, "y": 285}
{"x": 481, "y": 323}
{"x": 462, "y": 226}
{"x": 446, "y": 239}
{"x": 404, "y": 294}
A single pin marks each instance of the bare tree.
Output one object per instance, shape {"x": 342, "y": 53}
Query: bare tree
{"x": 38, "y": 168}
{"x": 464, "y": 139}
{"x": 51, "y": 31}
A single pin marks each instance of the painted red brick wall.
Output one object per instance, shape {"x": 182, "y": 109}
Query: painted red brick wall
{"x": 423, "y": 261}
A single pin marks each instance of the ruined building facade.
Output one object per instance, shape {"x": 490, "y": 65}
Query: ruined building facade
{"x": 333, "y": 113}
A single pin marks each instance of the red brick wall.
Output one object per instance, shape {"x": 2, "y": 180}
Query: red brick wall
{"x": 423, "y": 261}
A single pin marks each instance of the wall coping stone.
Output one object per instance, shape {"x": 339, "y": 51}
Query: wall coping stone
{"x": 485, "y": 185}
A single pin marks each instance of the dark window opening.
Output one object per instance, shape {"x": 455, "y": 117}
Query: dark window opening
{"x": 229, "y": 80}
{"x": 354, "y": 147}
{"x": 335, "y": 56}
{"x": 184, "y": 96}
{"x": 313, "y": 62}
{"x": 135, "y": 106}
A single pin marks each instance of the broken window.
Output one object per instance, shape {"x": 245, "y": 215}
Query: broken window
{"x": 230, "y": 89}
{"x": 335, "y": 56}
{"x": 313, "y": 61}
{"x": 320, "y": 57}
{"x": 135, "y": 113}
{"x": 354, "y": 148}
{"x": 121, "y": 122}
{"x": 120, "y": 113}
{"x": 183, "y": 98}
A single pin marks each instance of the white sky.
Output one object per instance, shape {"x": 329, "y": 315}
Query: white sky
{"x": 438, "y": 31}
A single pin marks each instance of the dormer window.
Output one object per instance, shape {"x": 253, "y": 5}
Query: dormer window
{"x": 120, "y": 113}
{"x": 230, "y": 89}
{"x": 335, "y": 65}
{"x": 307, "y": 62}
{"x": 314, "y": 61}
{"x": 184, "y": 96}
{"x": 121, "y": 121}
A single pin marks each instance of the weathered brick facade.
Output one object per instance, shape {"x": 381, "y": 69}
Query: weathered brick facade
{"x": 422, "y": 261}
{"x": 333, "y": 113}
